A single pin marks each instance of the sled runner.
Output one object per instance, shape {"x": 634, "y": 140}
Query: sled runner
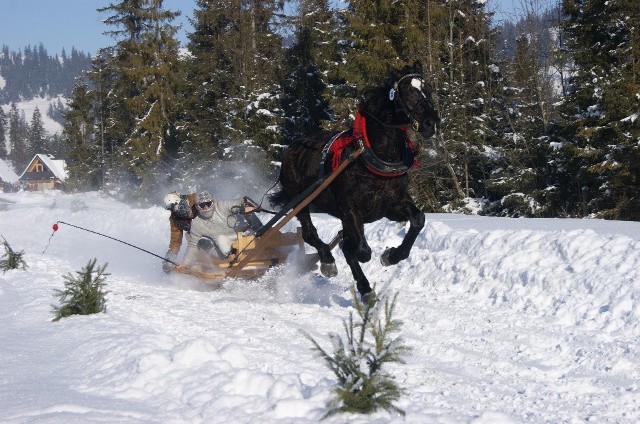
{"x": 253, "y": 256}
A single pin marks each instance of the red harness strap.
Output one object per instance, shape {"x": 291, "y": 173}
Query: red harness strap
{"x": 360, "y": 132}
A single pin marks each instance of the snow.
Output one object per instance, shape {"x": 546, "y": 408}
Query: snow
{"x": 6, "y": 173}
{"x": 42, "y": 103}
{"x": 509, "y": 321}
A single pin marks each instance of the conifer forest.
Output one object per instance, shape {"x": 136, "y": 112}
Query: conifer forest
{"x": 540, "y": 116}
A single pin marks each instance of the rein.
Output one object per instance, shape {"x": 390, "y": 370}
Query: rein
{"x": 402, "y": 127}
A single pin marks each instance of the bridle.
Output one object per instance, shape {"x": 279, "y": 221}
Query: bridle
{"x": 372, "y": 162}
{"x": 401, "y": 105}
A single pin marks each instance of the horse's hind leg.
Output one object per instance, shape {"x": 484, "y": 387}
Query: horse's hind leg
{"x": 405, "y": 210}
{"x": 350, "y": 254}
{"x": 310, "y": 235}
{"x": 355, "y": 247}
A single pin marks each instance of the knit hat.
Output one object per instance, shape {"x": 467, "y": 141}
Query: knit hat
{"x": 171, "y": 199}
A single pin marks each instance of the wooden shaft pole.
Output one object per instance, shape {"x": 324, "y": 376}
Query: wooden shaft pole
{"x": 263, "y": 240}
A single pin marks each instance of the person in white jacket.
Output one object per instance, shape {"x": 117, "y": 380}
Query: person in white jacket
{"x": 214, "y": 229}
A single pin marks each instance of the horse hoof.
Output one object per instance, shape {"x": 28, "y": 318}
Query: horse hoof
{"x": 384, "y": 259}
{"x": 329, "y": 269}
{"x": 369, "y": 299}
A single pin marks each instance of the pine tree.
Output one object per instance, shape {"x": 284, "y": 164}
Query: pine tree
{"x": 310, "y": 63}
{"x": 3, "y": 137}
{"x": 18, "y": 139}
{"x": 520, "y": 179}
{"x": 358, "y": 361}
{"x": 37, "y": 134}
{"x": 11, "y": 259}
{"x": 84, "y": 294}
{"x": 460, "y": 59}
{"x": 372, "y": 42}
{"x": 104, "y": 112}
{"x": 232, "y": 89}
{"x": 144, "y": 92}
{"x": 601, "y": 124}
{"x": 210, "y": 77}
{"x": 83, "y": 158}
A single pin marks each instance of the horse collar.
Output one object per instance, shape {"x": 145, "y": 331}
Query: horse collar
{"x": 371, "y": 161}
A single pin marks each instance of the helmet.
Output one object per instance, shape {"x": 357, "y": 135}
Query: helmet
{"x": 205, "y": 204}
{"x": 171, "y": 199}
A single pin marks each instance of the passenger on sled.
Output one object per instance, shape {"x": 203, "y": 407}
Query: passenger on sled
{"x": 183, "y": 210}
{"x": 214, "y": 230}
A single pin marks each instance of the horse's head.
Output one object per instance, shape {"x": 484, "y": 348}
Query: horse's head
{"x": 413, "y": 99}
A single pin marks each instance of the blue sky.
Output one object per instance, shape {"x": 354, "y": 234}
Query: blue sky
{"x": 59, "y": 24}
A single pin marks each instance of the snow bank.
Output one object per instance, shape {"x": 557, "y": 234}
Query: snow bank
{"x": 509, "y": 321}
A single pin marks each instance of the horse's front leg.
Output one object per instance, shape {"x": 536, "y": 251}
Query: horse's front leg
{"x": 310, "y": 235}
{"x": 405, "y": 210}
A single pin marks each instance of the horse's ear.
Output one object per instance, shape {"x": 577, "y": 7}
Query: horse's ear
{"x": 417, "y": 65}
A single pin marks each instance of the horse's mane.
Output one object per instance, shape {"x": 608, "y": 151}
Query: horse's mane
{"x": 313, "y": 143}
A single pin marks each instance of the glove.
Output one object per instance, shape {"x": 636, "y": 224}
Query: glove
{"x": 167, "y": 267}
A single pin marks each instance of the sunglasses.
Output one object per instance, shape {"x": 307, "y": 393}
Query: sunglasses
{"x": 205, "y": 205}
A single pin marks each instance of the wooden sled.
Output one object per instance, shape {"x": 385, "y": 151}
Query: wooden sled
{"x": 245, "y": 263}
{"x": 256, "y": 253}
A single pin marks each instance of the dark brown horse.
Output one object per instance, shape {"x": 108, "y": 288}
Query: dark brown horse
{"x": 375, "y": 185}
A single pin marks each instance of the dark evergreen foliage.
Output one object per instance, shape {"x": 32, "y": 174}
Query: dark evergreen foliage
{"x": 142, "y": 101}
{"x": 358, "y": 360}
{"x": 233, "y": 73}
{"x": 83, "y": 294}
{"x": 32, "y": 72}
{"x": 309, "y": 62}
{"x": 19, "y": 144}
{"x": 3, "y": 135}
{"x": 540, "y": 115}
{"x": 84, "y": 156}
{"x": 601, "y": 110}
{"x": 37, "y": 135}
{"x": 11, "y": 259}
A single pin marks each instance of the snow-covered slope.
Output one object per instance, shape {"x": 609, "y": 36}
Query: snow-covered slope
{"x": 29, "y": 106}
{"x": 510, "y": 321}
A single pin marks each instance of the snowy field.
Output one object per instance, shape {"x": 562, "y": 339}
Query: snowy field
{"x": 509, "y": 321}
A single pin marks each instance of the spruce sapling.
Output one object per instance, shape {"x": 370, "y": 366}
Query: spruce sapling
{"x": 84, "y": 294}
{"x": 363, "y": 386}
{"x": 11, "y": 259}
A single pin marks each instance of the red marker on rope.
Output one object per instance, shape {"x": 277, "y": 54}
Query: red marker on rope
{"x": 55, "y": 228}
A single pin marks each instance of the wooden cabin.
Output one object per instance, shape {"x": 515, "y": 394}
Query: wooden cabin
{"x": 44, "y": 173}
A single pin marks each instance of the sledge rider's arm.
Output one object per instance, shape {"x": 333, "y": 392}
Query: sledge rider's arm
{"x": 244, "y": 206}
